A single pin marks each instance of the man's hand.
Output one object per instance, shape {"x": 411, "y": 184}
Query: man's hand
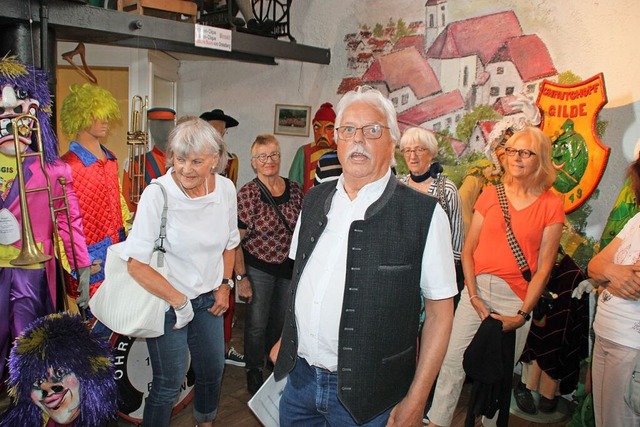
{"x": 406, "y": 414}
{"x": 273, "y": 354}
{"x": 84, "y": 274}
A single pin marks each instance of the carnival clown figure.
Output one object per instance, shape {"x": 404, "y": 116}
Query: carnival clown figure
{"x": 60, "y": 374}
{"x": 85, "y": 116}
{"x": 303, "y": 167}
{"x": 31, "y": 291}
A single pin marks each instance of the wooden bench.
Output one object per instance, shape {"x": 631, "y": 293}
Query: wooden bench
{"x": 169, "y": 9}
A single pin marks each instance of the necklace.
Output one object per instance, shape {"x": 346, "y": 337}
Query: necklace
{"x": 184, "y": 190}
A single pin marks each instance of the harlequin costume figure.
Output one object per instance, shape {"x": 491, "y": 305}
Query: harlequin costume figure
{"x": 60, "y": 375}
{"x": 85, "y": 116}
{"x": 303, "y": 167}
{"x": 161, "y": 121}
{"x": 29, "y": 292}
{"x": 221, "y": 122}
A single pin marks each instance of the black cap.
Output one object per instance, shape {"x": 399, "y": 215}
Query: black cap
{"x": 218, "y": 114}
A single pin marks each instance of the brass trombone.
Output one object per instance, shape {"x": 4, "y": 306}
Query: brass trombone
{"x": 30, "y": 253}
{"x": 137, "y": 141}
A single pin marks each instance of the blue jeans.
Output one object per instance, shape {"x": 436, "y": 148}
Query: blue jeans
{"x": 264, "y": 317}
{"x": 310, "y": 399}
{"x": 204, "y": 338}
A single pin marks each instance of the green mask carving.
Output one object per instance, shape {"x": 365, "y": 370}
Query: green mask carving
{"x": 570, "y": 157}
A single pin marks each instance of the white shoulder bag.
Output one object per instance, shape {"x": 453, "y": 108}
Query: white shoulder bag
{"x": 121, "y": 303}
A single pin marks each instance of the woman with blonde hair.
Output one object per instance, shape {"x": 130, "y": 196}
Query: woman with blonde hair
{"x": 496, "y": 285}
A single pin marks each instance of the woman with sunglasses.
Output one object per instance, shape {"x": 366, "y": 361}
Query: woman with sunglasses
{"x": 495, "y": 284}
{"x": 268, "y": 208}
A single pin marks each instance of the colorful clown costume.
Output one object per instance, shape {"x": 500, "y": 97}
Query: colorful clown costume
{"x": 27, "y": 293}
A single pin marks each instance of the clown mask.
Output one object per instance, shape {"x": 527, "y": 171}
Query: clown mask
{"x": 58, "y": 394}
{"x": 15, "y": 102}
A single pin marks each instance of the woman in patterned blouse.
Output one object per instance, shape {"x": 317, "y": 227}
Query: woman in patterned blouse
{"x": 268, "y": 209}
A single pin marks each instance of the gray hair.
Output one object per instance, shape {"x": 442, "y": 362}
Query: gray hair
{"x": 374, "y": 98}
{"x": 194, "y": 135}
{"x": 421, "y": 136}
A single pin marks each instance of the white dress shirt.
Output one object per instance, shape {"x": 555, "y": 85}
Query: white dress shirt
{"x": 321, "y": 288}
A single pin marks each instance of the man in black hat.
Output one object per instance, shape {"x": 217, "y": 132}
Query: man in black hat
{"x": 221, "y": 122}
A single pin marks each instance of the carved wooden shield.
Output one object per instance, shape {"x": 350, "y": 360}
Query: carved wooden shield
{"x": 569, "y": 119}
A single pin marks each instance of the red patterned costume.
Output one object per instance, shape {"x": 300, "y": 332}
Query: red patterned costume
{"x": 96, "y": 184}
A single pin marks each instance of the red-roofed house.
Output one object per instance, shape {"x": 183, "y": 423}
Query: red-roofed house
{"x": 460, "y": 53}
{"x": 480, "y": 136}
{"x": 438, "y": 113}
{"x": 519, "y": 66}
{"x": 416, "y": 41}
{"x": 347, "y": 84}
{"x": 405, "y": 76}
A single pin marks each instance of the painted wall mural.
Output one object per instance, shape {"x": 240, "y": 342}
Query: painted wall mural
{"x": 460, "y": 79}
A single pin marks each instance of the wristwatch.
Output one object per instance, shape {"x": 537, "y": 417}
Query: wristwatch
{"x": 526, "y": 316}
{"x": 240, "y": 277}
{"x": 228, "y": 282}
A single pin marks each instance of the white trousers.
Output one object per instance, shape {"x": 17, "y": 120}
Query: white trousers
{"x": 611, "y": 368}
{"x": 498, "y": 297}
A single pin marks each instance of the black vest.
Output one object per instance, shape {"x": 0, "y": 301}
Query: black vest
{"x": 381, "y": 307}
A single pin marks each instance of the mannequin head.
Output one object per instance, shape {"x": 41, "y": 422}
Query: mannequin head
{"x": 84, "y": 106}
{"x": 161, "y": 121}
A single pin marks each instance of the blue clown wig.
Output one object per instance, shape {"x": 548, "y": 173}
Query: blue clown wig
{"x": 33, "y": 82}
{"x": 61, "y": 340}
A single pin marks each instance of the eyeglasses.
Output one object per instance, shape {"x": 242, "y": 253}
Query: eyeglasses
{"x": 262, "y": 158}
{"x": 369, "y": 131}
{"x": 418, "y": 151}
{"x": 524, "y": 154}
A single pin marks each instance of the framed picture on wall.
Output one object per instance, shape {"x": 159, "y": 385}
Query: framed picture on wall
{"x": 292, "y": 120}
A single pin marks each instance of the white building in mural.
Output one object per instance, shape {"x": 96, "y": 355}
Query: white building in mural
{"x": 436, "y": 19}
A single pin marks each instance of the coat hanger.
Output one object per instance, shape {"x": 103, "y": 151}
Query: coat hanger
{"x": 85, "y": 71}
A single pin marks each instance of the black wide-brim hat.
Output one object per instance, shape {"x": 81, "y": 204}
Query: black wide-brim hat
{"x": 218, "y": 114}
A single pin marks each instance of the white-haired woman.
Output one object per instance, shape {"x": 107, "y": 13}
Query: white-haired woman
{"x": 201, "y": 239}
{"x": 419, "y": 148}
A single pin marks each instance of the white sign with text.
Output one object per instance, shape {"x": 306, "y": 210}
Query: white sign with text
{"x": 212, "y": 37}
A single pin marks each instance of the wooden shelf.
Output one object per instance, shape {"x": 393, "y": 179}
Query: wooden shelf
{"x": 76, "y": 22}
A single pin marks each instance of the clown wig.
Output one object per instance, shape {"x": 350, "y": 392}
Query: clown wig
{"x": 33, "y": 83}
{"x": 61, "y": 340}
{"x": 85, "y": 104}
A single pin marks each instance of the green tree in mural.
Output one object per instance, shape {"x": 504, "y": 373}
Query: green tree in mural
{"x": 378, "y": 30}
{"x": 402, "y": 30}
{"x": 469, "y": 120}
{"x": 446, "y": 154}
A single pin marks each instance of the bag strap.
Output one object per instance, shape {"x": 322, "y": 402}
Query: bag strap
{"x": 163, "y": 227}
{"x": 511, "y": 238}
{"x": 440, "y": 183}
{"x": 270, "y": 199}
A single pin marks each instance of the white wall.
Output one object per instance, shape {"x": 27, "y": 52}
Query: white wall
{"x": 584, "y": 36}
